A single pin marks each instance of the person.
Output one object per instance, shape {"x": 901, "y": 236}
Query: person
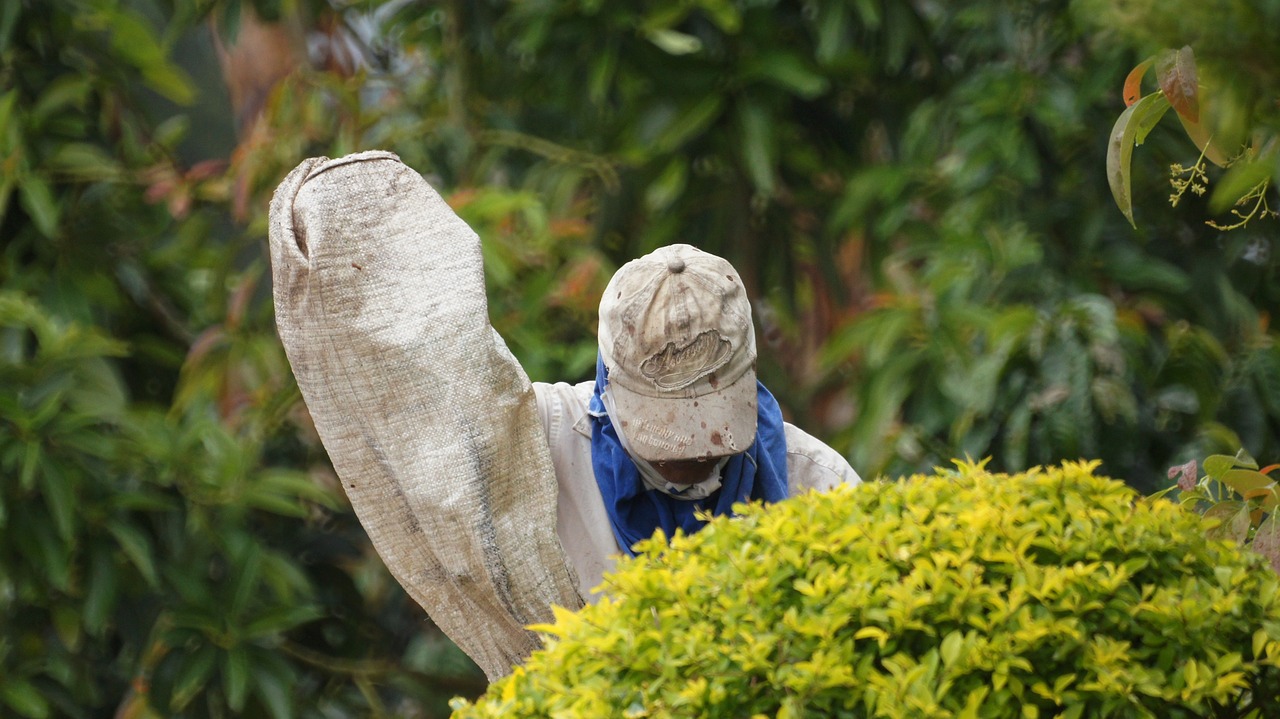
{"x": 491, "y": 498}
{"x": 675, "y": 422}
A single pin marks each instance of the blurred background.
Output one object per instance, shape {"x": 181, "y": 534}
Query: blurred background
{"x": 915, "y": 191}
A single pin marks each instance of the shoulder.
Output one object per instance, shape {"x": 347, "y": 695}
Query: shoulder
{"x": 812, "y": 465}
{"x": 561, "y": 405}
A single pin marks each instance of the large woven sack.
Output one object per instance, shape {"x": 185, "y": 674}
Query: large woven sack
{"x": 428, "y": 419}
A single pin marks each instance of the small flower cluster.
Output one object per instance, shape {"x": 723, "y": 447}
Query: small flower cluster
{"x": 1187, "y": 178}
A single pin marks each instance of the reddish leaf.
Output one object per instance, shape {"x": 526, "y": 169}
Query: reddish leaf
{"x": 1133, "y": 83}
{"x": 1186, "y": 475}
{"x": 1176, "y": 73}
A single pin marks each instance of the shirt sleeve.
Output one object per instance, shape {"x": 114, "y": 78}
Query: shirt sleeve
{"x": 430, "y": 422}
{"x": 814, "y": 466}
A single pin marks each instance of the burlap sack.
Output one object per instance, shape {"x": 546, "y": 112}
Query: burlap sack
{"x": 429, "y": 420}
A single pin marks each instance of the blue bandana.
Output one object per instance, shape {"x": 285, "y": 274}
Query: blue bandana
{"x": 635, "y": 510}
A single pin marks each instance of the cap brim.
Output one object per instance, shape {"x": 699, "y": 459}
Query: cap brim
{"x": 664, "y": 429}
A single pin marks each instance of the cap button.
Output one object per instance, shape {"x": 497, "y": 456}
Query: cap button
{"x": 675, "y": 265}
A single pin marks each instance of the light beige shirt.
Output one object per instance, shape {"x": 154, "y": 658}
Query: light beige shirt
{"x": 581, "y": 520}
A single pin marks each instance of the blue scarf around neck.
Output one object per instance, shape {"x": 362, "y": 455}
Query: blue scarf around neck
{"x": 635, "y": 510}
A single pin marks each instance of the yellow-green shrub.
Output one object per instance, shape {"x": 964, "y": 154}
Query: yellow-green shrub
{"x": 970, "y": 594}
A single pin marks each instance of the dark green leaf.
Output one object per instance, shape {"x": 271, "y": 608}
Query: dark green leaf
{"x": 281, "y": 620}
{"x": 273, "y": 682}
{"x": 788, "y": 72}
{"x": 100, "y": 592}
{"x": 30, "y": 466}
{"x": 193, "y": 673}
{"x": 133, "y": 38}
{"x": 235, "y": 677}
{"x": 832, "y": 29}
{"x": 24, "y": 698}
{"x": 248, "y": 563}
{"x": 724, "y": 13}
{"x": 8, "y": 101}
{"x": 136, "y": 547}
{"x": 691, "y": 121}
{"x": 85, "y": 162}
{"x": 757, "y": 146}
{"x": 9, "y": 14}
{"x": 59, "y": 494}
{"x": 39, "y": 202}
{"x": 69, "y": 90}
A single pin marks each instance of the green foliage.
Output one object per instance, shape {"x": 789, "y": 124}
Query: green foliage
{"x": 172, "y": 541}
{"x": 126, "y": 535}
{"x": 1244, "y": 188}
{"x": 911, "y": 189}
{"x": 964, "y": 594}
{"x": 1239, "y": 495}
{"x": 857, "y": 160}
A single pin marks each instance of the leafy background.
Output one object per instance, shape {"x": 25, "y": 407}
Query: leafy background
{"x": 915, "y": 191}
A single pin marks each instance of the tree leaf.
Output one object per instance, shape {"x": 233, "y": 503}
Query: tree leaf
{"x": 1239, "y": 179}
{"x": 1133, "y": 83}
{"x": 1204, "y": 142}
{"x": 1266, "y": 541}
{"x": 8, "y": 21}
{"x": 690, "y": 122}
{"x": 275, "y": 694}
{"x": 24, "y": 698}
{"x": 235, "y": 678}
{"x": 100, "y": 594}
{"x": 1131, "y": 128}
{"x": 273, "y": 682}
{"x": 281, "y": 620}
{"x": 86, "y": 162}
{"x": 725, "y": 14}
{"x": 136, "y": 547}
{"x": 193, "y": 675}
{"x": 59, "y": 498}
{"x": 1216, "y": 465}
{"x": 1232, "y": 519}
{"x": 1246, "y": 480}
{"x": 134, "y": 40}
{"x": 67, "y": 90}
{"x": 1176, "y": 74}
{"x": 757, "y": 146}
{"x": 788, "y": 72}
{"x": 39, "y": 202}
{"x": 248, "y": 563}
{"x": 674, "y": 42}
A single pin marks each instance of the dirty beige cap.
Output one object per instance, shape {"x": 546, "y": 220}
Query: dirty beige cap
{"x": 677, "y": 339}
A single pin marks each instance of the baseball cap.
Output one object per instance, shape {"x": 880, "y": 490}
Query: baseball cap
{"x": 677, "y": 339}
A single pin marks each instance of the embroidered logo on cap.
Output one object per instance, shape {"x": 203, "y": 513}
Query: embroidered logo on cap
{"x": 678, "y": 367}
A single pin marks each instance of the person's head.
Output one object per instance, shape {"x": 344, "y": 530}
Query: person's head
{"x": 677, "y": 340}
